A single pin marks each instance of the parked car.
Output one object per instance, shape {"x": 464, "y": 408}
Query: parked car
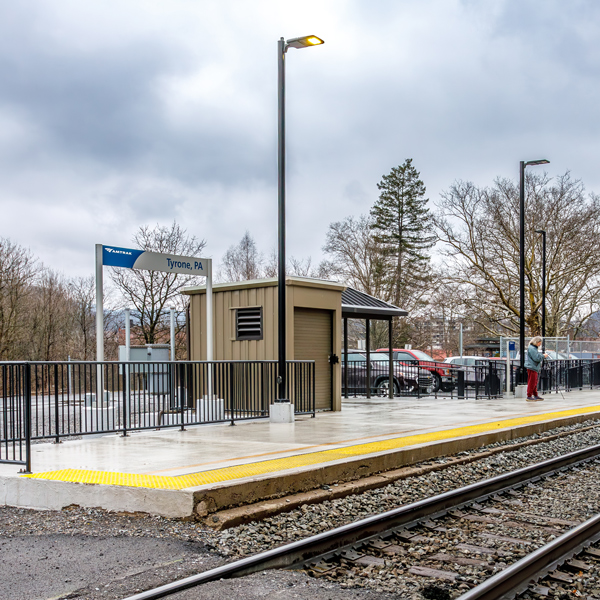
{"x": 443, "y": 378}
{"x": 407, "y": 378}
{"x": 480, "y": 371}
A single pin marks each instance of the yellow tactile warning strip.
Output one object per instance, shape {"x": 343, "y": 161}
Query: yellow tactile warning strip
{"x": 191, "y": 480}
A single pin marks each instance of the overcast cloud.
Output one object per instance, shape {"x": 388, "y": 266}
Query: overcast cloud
{"x": 120, "y": 113}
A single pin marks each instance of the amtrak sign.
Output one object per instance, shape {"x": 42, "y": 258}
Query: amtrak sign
{"x": 129, "y": 258}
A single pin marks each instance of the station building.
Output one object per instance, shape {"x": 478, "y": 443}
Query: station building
{"x": 245, "y": 325}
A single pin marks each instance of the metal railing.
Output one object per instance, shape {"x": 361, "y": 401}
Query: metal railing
{"x": 15, "y": 414}
{"x": 563, "y": 375}
{"x": 54, "y": 400}
{"x": 485, "y": 379}
{"x": 372, "y": 378}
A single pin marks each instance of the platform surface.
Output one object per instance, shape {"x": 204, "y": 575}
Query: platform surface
{"x": 209, "y": 455}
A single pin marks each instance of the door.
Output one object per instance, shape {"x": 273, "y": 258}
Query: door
{"x": 313, "y": 340}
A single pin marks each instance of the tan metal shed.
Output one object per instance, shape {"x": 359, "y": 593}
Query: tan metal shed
{"x": 245, "y": 326}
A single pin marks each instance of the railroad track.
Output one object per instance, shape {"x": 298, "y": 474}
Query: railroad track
{"x": 554, "y": 565}
{"x": 470, "y": 513}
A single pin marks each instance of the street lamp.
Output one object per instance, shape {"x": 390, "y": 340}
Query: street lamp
{"x": 543, "y": 234}
{"x": 522, "y": 263}
{"x": 282, "y": 47}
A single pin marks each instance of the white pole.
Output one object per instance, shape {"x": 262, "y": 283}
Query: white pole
{"x": 460, "y": 339}
{"x": 209, "y": 324}
{"x": 209, "y": 312}
{"x": 99, "y": 306}
{"x": 127, "y": 334}
{"x": 172, "y": 311}
{"x": 99, "y": 324}
{"x": 127, "y": 351}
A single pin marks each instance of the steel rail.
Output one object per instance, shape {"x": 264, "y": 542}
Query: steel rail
{"x": 516, "y": 578}
{"x": 322, "y": 543}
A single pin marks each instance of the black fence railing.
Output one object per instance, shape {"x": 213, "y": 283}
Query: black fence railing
{"x": 54, "y": 400}
{"x": 487, "y": 378}
{"x": 372, "y": 378}
{"x": 15, "y": 414}
{"x": 567, "y": 375}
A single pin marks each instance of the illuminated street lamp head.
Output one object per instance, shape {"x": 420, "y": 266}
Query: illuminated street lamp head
{"x": 304, "y": 42}
{"x": 542, "y": 161}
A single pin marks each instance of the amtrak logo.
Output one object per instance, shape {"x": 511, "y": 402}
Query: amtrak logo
{"x": 118, "y": 251}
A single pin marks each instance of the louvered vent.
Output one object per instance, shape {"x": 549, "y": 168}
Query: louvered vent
{"x": 248, "y": 323}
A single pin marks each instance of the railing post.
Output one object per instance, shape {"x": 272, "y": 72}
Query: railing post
{"x": 460, "y": 392}
{"x": 231, "y": 391}
{"x": 125, "y": 405}
{"x": 56, "y": 419}
{"x": 174, "y": 395}
{"x": 314, "y": 389}
{"x": 27, "y": 417}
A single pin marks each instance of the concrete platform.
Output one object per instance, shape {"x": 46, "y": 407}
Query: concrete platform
{"x": 211, "y": 467}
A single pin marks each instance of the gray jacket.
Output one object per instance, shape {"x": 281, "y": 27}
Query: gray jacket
{"x": 533, "y": 358}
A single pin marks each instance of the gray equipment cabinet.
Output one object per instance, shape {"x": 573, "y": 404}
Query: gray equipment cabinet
{"x": 156, "y": 372}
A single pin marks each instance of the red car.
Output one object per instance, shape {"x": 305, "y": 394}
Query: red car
{"x": 443, "y": 378}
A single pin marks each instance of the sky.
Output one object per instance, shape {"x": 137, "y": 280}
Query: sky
{"x": 116, "y": 114}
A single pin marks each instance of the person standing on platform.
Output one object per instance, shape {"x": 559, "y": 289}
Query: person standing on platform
{"x": 533, "y": 364}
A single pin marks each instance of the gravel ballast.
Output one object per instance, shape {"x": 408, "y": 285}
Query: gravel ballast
{"x": 310, "y": 520}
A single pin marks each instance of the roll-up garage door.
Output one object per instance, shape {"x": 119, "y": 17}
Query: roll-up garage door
{"x": 313, "y": 341}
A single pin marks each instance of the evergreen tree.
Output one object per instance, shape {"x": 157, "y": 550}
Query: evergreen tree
{"x": 402, "y": 226}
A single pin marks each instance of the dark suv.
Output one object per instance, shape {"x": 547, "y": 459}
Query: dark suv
{"x": 443, "y": 377}
{"x": 407, "y": 378}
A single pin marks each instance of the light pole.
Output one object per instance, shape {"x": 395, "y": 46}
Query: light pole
{"x": 524, "y": 164}
{"x": 282, "y": 47}
{"x": 543, "y": 234}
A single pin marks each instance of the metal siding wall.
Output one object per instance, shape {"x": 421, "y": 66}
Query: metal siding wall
{"x": 269, "y": 319}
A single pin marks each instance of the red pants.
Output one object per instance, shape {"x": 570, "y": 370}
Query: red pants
{"x": 532, "y": 381}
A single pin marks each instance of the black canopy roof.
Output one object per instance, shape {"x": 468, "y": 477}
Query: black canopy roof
{"x": 358, "y": 305}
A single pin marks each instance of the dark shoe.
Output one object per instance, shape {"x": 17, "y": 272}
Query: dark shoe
{"x": 538, "y": 398}
{"x": 531, "y": 399}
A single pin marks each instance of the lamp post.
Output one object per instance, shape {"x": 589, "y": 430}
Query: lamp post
{"x": 282, "y": 47}
{"x": 543, "y": 234}
{"x": 524, "y": 164}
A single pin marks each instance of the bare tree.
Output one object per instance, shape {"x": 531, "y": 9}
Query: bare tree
{"x": 243, "y": 261}
{"x": 18, "y": 270}
{"x": 150, "y": 293}
{"x": 82, "y": 293}
{"x": 241, "y": 265}
{"x": 479, "y": 228}
{"x": 356, "y": 259}
{"x": 50, "y": 318}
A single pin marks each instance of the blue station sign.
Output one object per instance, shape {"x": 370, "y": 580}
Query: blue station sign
{"x": 129, "y": 258}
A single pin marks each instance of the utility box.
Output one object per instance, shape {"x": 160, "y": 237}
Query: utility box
{"x": 156, "y": 369}
{"x": 146, "y": 353}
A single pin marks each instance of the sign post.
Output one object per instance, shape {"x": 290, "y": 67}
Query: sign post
{"x": 130, "y": 258}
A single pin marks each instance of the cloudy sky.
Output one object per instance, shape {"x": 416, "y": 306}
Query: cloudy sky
{"x": 120, "y": 113}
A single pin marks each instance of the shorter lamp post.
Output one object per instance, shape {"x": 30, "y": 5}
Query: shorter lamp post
{"x": 543, "y": 234}
{"x": 522, "y": 377}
